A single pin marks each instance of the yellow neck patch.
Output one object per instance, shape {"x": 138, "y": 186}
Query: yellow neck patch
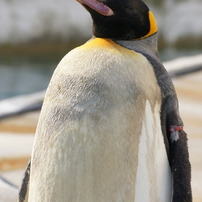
{"x": 105, "y": 44}
{"x": 153, "y": 25}
{"x": 98, "y": 42}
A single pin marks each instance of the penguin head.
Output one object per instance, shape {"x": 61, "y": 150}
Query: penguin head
{"x": 121, "y": 19}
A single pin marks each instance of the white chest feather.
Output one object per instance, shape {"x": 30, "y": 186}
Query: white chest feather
{"x": 99, "y": 134}
{"x": 153, "y": 181}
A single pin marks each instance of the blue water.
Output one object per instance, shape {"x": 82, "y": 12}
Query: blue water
{"x": 23, "y": 76}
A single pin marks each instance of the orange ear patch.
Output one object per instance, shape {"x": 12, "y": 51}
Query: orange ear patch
{"x": 153, "y": 25}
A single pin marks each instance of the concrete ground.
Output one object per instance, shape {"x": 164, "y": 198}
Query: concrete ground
{"x": 17, "y": 135}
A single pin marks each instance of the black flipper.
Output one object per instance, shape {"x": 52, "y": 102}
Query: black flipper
{"x": 181, "y": 169}
{"x": 23, "y": 192}
{"x": 177, "y": 148}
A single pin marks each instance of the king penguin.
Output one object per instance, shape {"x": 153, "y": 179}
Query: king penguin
{"x": 109, "y": 129}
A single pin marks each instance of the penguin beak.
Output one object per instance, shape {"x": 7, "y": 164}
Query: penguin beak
{"x": 98, "y": 7}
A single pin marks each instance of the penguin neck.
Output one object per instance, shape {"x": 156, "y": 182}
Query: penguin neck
{"x": 146, "y": 46}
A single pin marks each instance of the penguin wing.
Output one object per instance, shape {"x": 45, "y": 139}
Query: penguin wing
{"x": 175, "y": 138}
{"x": 23, "y": 192}
{"x": 181, "y": 169}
